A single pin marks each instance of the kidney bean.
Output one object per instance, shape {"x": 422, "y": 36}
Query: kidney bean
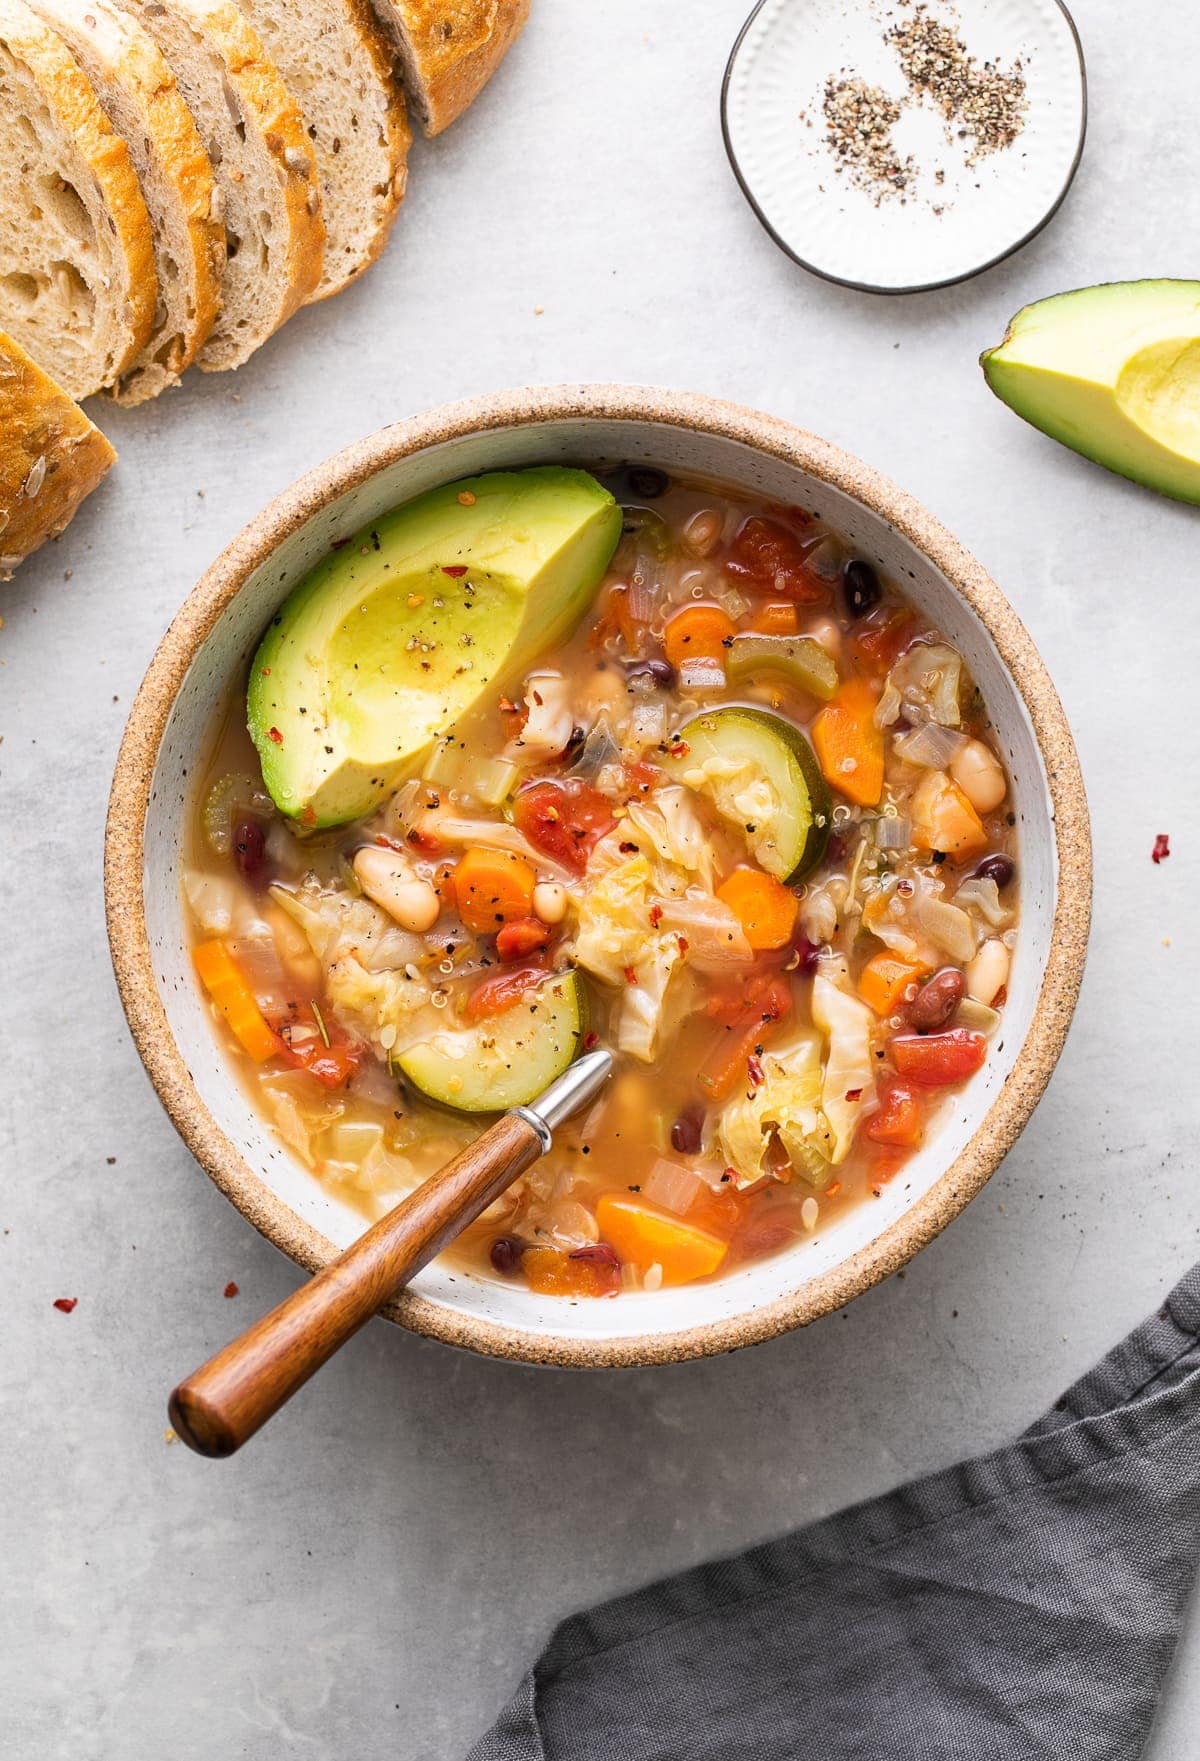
{"x": 936, "y": 1001}
{"x": 860, "y": 588}
{"x": 250, "y": 851}
{"x": 506, "y": 1254}
{"x": 687, "y": 1131}
{"x": 999, "y": 868}
{"x": 809, "y": 952}
{"x": 661, "y": 671}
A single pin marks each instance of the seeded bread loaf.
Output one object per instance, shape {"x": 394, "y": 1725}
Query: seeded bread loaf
{"x": 142, "y": 101}
{"x": 51, "y": 456}
{"x": 449, "y": 50}
{"x": 338, "y": 66}
{"x": 77, "y": 279}
{"x": 268, "y": 193}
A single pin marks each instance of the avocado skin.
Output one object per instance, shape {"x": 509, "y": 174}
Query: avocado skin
{"x": 1103, "y": 370}
{"x": 396, "y": 632}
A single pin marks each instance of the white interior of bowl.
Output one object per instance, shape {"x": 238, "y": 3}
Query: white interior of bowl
{"x": 226, "y": 652}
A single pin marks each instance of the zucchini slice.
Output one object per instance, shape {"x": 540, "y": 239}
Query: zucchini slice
{"x": 505, "y": 1060}
{"x": 763, "y": 778}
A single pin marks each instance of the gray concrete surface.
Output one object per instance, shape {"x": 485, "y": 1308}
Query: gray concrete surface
{"x": 370, "y": 1578}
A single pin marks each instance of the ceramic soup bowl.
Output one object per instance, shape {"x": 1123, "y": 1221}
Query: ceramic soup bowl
{"x": 208, "y": 647}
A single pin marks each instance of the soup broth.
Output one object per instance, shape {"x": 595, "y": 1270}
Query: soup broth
{"x": 746, "y": 826}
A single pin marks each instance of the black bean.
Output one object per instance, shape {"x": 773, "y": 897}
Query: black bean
{"x": 860, "y": 588}
{"x": 648, "y": 481}
{"x": 999, "y": 868}
{"x": 687, "y": 1131}
{"x": 250, "y": 851}
{"x": 661, "y": 671}
{"x": 506, "y": 1254}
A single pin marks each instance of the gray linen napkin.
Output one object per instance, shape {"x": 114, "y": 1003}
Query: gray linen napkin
{"x": 1022, "y": 1605}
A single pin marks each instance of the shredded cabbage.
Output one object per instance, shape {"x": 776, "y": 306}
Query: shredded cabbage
{"x": 929, "y": 677}
{"x": 849, "y": 1078}
{"x": 671, "y": 823}
{"x": 787, "y": 1103}
{"x": 372, "y": 981}
{"x": 743, "y": 797}
{"x": 615, "y": 939}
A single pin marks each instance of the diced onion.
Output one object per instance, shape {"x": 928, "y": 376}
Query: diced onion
{"x": 983, "y": 893}
{"x": 642, "y": 599}
{"x": 648, "y": 724}
{"x": 931, "y": 745}
{"x": 947, "y": 926}
{"x": 893, "y": 833}
{"x": 211, "y": 898}
{"x": 734, "y": 603}
{"x": 672, "y": 1186}
{"x": 702, "y": 674}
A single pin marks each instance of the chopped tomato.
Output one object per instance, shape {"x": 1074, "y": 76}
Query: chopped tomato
{"x": 565, "y": 819}
{"x": 332, "y": 1065}
{"x": 765, "y": 1002}
{"x": 769, "y": 557}
{"x": 881, "y": 639}
{"x": 935, "y": 1060}
{"x": 899, "y": 1119}
{"x": 517, "y": 940}
{"x": 641, "y": 776}
{"x": 502, "y": 990}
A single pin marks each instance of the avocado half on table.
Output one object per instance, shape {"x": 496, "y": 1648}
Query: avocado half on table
{"x": 381, "y": 648}
{"x": 1114, "y": 373}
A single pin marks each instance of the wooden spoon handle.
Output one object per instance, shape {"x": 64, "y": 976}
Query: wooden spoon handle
{"x": 228, "y": 1398}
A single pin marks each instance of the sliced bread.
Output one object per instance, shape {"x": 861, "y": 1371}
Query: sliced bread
{"x": 449, "y": 50}
{"x": 269, "y": 196}
{"x": 144, "y": 104}
{"x": 51, "y": 456}
{"x": 77, "y": 278}
{"x": 338, "y": 67}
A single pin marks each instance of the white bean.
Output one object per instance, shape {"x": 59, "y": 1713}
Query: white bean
{"x": 987, "y": 973}
{"x": 826, "y": 632}
{"x": 388, "y": 877}
{"x": 703, "y": 531}
{"x": 550, "y": 901}
{"x": 980, "y": 776}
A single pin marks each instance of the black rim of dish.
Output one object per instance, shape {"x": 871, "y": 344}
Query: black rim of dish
{"x": 916, "y": 286}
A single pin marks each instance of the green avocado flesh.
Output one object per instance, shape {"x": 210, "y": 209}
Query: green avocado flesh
{"x": 392, "y": 636}
{"x": 1113, "y": 372}
{"x": 505, "y": 1060}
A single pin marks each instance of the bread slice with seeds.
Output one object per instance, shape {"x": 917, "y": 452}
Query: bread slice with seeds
{"x": 449, "y": 50}
{"x": 51, "y": 456}
{"x": 268, "y": 193}
{"x": 77, "y": 279}
{"x": 338, "y": 66}
{"x": 144, "y": 104}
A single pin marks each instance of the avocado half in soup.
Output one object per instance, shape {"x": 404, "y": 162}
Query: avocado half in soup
{"x": 546, "y": 759}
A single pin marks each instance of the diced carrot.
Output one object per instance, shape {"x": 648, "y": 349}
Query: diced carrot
{"x": 647, "y": 1237}
{"x": 943, "y": 819}
{"x": 491, "y": 887}
{"x": 777, "y": 617}
{"x": 219, "y": 974}
{"x": 848, "y": 745}
{"x": 697, "y": 632}
{"x": 762, "y": 905}
{"x": 884, "y": 980}
{"x": 522, "y": 937}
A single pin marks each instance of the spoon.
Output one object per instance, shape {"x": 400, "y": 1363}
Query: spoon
{"x": 223, "y": 1403}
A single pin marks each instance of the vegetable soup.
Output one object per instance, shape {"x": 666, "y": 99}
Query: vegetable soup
{"x": 551, "y": 759}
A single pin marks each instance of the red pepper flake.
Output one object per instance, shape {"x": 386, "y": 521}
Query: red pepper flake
{"x": 231, "y": 1288}
{"x": 627, "y": 847}
{"x": 729, "y": 1174}
{"x": 679, "y": 749}
{"x": 683, "y": 945}
{"x": 656, "y": 912}
{"x": 309, "y": 816}
{"x": 508, "y": 707}
{"x": 590, "y": 1040}
{"x": 64, "y": 1304}
{"x": 455, "y": 571}
{"x": 274, "y": 734}
{"x": 1162, "y": 848}
{"x": 854, "y": 1094}
{"x": 265, "y": 672}
{"x": 755, "y": 1071}
{"x": 830, "y": 1190}
{"x": 630, "y": 975}
{"x": 538, "y": 699}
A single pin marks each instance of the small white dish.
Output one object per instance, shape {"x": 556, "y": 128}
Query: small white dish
{"x": 937, "y": 230}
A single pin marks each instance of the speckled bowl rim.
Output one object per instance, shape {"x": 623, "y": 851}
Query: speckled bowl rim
{"x": 204, "y": 606}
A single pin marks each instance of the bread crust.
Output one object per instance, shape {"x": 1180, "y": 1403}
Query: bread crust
{"x": 176, "y": 141}
{"x": 51, "y": 456}
{"x": 399, "y": 140}
{"x": 450, "y": 49}
{"x": 82, "y": 116}
{"x": 262, "y": 91}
